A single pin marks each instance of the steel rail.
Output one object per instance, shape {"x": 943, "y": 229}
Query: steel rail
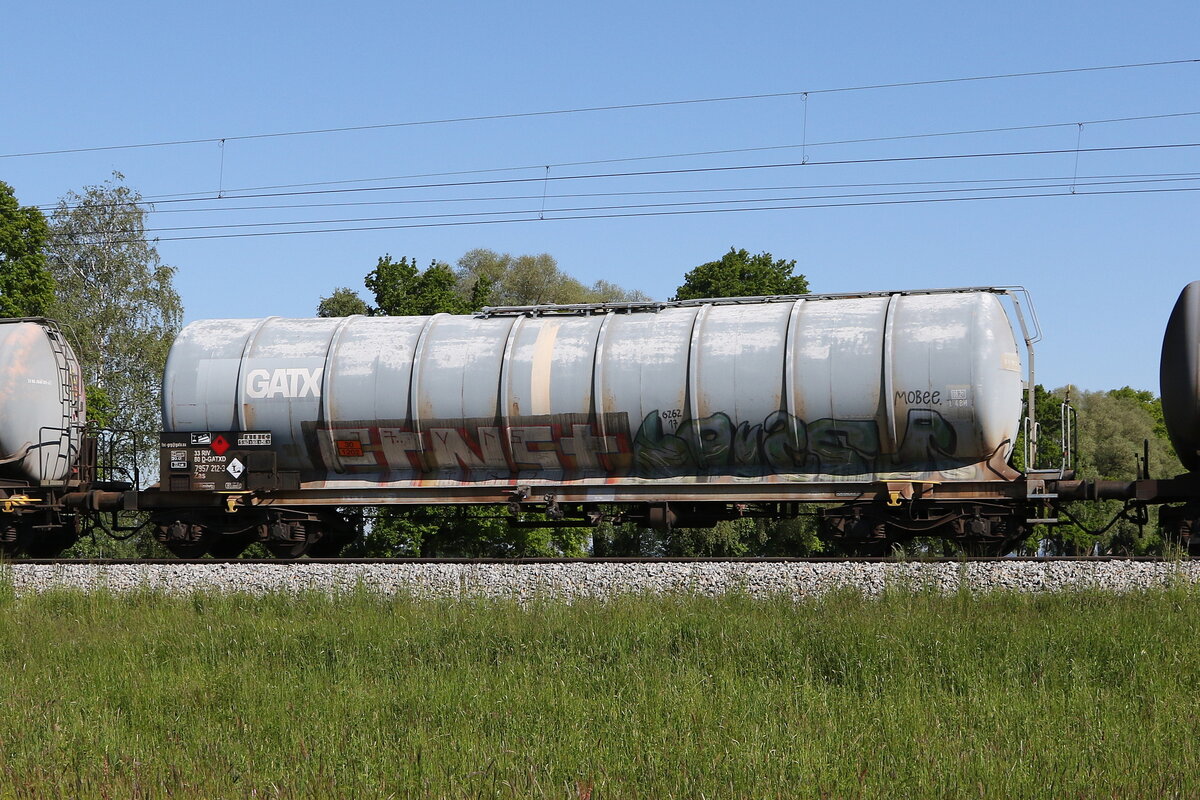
{"x": 299, "y": 562}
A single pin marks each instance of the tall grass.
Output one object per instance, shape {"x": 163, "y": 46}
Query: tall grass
{"x": 911, "y": 695}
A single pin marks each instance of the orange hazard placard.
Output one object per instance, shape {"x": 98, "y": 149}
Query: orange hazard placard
{"x": 349, "y": 448}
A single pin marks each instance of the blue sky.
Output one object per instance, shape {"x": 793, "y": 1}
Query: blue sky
{"x": 1104, "y": 270}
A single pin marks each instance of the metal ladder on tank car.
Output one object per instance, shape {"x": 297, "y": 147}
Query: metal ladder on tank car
{"x": 70, "y": 401}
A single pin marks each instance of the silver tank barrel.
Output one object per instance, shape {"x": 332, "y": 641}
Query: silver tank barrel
{"x": 920, "y": 385}
{"x": 42, "y": 406}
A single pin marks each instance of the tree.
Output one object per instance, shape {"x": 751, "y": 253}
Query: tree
{"x": 1112, "y": 429}
{"x": 400, "y": 289}
{"x": 118, "y": 298}
{"x": 529, "y": 280}
{"x": 461, "y": 531}
{"x": 26, "y": 286}
{"x": 344, "y": 302}
{"x": 1148, "y": 401}
{"x": 1048, "y": 414}
{"x": 603, "y": 291}
{"x": 730, "y": 538}
{"x": 739, "y": 274}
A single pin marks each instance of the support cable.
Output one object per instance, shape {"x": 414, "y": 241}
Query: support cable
{"x": 593, "y": 109}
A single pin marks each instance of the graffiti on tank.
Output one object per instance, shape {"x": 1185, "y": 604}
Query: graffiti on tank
{"x": 663, "y": 446}
{"x": 563, "y": 443}
{"x": 913, "y": 397}
{"x": 785, "y": 444}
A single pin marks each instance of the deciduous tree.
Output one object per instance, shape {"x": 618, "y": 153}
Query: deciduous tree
{"x": 740, "y": 274}
{"x": 530, "y": 280}
{"x": 26, "y": 286}
{"x": 1112, "y": 429}
{"x": 462, "y": 531}
{"x": 400, "y": 289}
{"x": 119, "y": 300}
{"x": 344, "y": 302}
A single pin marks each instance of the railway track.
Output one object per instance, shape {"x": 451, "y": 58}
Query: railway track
{"x": 611, "y": 560}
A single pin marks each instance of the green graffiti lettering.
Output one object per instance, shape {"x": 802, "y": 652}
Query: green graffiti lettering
{"x": 928, "y": 440}
{"x": 783, "y": 444}
{"x": 844, "y": 447}
{"x": 713, "y": 436}
{"x": 657, "y": 454}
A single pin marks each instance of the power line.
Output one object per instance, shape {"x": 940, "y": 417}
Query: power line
{"x": 694, "y": 171}
{"x": 1067, "y": 183}
{"x": 567, "y": 195}
{"x": 593, "y": 109}
{"x": 876, "y": 139}
{"x": 693, "y": 154}
{"x": 666, "y": 213}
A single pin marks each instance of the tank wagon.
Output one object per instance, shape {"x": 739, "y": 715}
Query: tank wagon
{"x": 896, "y": 411}
{"x": 42, "y": 456}
{"x": 1179, "y": 384}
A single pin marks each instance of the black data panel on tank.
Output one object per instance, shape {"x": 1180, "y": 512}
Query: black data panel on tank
{"x": 217, "y": 461}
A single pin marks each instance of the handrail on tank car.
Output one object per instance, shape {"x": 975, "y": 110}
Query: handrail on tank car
{"x": 53, "y": 448}
{"x": 1015, "y": 293}
{"x": 658, "y": 305}
{"x": 39, "y": 320}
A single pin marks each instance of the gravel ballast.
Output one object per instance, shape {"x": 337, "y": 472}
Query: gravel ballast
{"x": 576, "y": 580}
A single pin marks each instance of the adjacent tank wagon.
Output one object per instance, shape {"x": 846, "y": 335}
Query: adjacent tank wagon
{"x": 42, "y": 417}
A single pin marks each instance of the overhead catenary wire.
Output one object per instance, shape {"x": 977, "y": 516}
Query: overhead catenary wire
{"x": 461, "y": 223}
{"x": 542, "y": 211}
{"x": 222, "y": 192}
{"x": 694, "y": 171}
{"x": 596, "y": 109}
{"x": 666, "y": 192}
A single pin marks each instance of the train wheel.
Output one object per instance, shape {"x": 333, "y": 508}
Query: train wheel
{"x": 187, "y": 549}
{"x": 183, "y": 539}
{"x": 329, "y": 534}
{"x": 229, "y": 545}
{"x": 10, "y": 538}
{"x": 287, "y": 550}
{"x": 877, "y": 548}
{"x": 326, "y": 547}
{"x": 1193, "y": 545}
{"x": 285, "y": 538}
{"x": 49, "y": 543}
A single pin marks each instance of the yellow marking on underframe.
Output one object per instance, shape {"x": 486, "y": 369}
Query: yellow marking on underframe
{"x": 234, "y": 500}
{"x": 8, "y": 504}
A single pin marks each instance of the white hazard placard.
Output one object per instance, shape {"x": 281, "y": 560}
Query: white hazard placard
{"x": 235, "y": 468}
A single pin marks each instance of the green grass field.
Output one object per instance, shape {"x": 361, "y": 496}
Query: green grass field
{"x": 912, "y": 695}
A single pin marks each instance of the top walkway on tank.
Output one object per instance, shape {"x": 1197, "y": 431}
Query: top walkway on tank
{"x": 584, "y": 309}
